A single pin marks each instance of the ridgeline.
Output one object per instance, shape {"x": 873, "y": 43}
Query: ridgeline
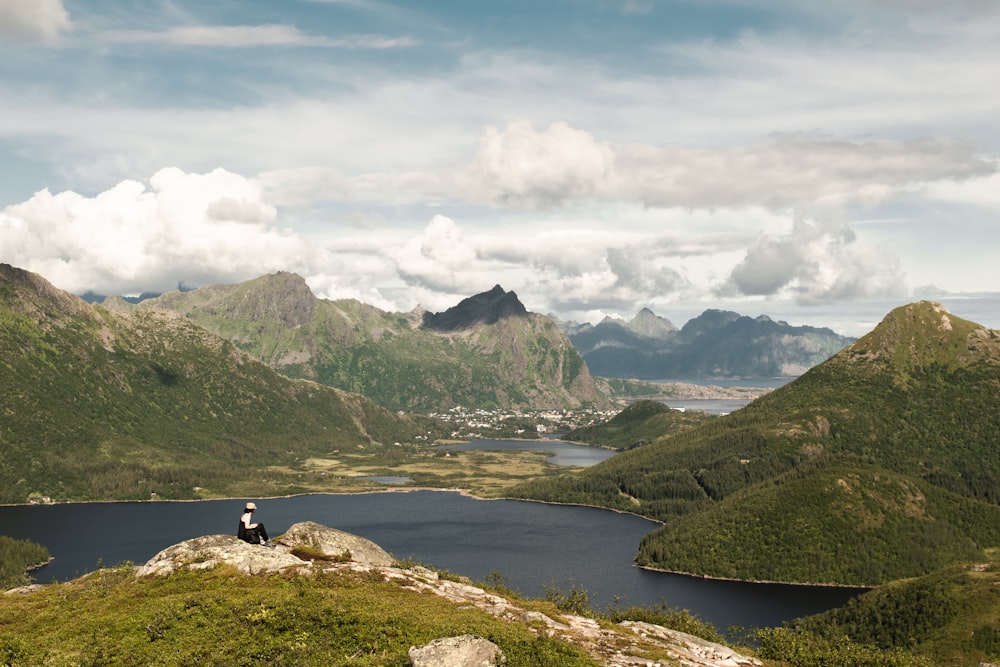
{"x": 486, "y": 352}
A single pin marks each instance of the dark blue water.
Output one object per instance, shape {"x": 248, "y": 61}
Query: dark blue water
{"x": 532, "y": 545}
{"x": 563, "y": 453}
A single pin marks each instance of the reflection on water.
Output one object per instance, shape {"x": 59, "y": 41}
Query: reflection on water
{"x": 563, "y": 453}
{"x": 711, "y": 406}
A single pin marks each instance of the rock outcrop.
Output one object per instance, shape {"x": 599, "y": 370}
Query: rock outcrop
{"x": 209, "y": 551}
{"x": 295, "y": 550}
{"x": 310, "y": 547}
{"x": 331, "y": 541}
{"x": 463, "y": 651}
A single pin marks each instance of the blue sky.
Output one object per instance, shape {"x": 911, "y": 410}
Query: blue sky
{"x": 817, "y": 164}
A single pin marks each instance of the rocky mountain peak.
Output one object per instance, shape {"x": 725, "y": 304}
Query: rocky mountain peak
{"x": 484, "y": 308}
{"x": 922, "y": 334}
{"x": 648, "y": 323}
{"x": 280, "y": 296}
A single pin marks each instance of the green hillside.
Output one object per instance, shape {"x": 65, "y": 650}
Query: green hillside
{"x": 510, "y": 358}
{"x": 637, "y": 425}
{"x": 218, "y": 617}
{"x": 17, "y": 557}
{"x": 99, "y": 404}
{"x": 878, "y": 464}
{"x": 951, "y": 617}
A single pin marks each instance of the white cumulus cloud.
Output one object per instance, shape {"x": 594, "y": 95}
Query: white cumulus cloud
{"x": 183, "y": 227}
{"x": 33, "y": 20}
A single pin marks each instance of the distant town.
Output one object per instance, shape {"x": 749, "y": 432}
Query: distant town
{"x": 480, "y": 423}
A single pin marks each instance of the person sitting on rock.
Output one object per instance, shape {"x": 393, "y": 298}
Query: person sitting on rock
{"x": 251, "y": 532}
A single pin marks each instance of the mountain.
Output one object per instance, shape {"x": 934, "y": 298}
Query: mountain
{"x": 879, "y": 463}
{"x": 638, "y": 424}
{"x": 125, "y": 404}
{"x": 949, "y": 617}
{"x": 482, "y": 309}
{"x": 488, "y": 351}
{"x": 716, "y": 344}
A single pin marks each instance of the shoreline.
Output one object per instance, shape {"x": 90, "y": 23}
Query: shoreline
{"x": 469, "y": 494}
{"x": 765, "y": 582}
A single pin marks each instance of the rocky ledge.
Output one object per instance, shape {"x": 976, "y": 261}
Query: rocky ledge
{"x": 310, "y": 547}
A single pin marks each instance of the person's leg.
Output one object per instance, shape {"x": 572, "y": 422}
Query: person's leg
{"x": 262, "y": 532}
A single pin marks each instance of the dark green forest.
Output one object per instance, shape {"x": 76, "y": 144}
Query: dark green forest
{"x": 875, "y": 465}
{"x": 638, "y": 424}
{"x": 16, "y": 558}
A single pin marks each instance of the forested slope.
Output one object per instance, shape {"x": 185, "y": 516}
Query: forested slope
{"x": 103, "y": 405}
{"x": 880, "y": 463}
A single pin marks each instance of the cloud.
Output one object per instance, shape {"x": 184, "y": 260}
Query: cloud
{"x": 527, "y": 167}
{"x": 440, "y": 259}
{"x": 524, "y": 168}
{"x": 34, "y": 20}
{"x": 193, "y": 228}
{"x": 983, "y": 192}
{"x": 815, "y": 264}
{"x": 251, "y": 36}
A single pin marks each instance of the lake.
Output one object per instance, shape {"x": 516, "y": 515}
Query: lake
{"x": 723, "y": 405}
{"x": 532, "y": 545}
{"x": 563, "y": 453}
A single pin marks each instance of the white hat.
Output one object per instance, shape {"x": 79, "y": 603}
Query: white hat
{"x": 250, "y": 506}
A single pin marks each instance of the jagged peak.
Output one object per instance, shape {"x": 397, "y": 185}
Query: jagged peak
{"x": 648, "y": 323}
{"x": 484, "y": 308}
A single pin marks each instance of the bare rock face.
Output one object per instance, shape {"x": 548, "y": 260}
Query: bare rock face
{"x": 211, "y": 550}
{"x": 690, "y": 649}
{"x": 334, "y": 543}
{"x": 464, "y": 651}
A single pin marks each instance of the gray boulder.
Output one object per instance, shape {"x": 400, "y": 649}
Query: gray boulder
{"x": 211, "y": 550}
{"x": 293, "y": 551}
{"x": 463, "y": 651}
{"x": 335, "y": 544}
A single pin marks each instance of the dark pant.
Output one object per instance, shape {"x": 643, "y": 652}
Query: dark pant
{"x": 256, "y": 535}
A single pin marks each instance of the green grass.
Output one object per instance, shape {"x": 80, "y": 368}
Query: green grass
{"x": 221, "y": 617}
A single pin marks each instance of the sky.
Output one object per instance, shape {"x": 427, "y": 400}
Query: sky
{"x": 820, "y": 163}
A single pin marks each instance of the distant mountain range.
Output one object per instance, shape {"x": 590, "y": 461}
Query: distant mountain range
{"x": 878, "y": 464}
{"x": 716, "y": 344}
{"x": 433, "y": 361}
{"x": 488, "y": 351}
{"x": 137, "y": 403}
